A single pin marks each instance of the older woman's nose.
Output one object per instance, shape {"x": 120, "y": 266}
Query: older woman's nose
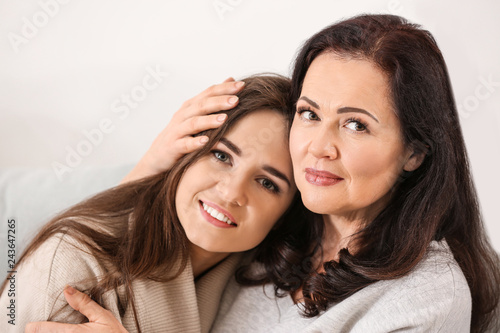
{"x": 323, "y": 144}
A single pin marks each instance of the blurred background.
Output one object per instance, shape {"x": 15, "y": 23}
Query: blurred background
{"x": 91, "y": 83}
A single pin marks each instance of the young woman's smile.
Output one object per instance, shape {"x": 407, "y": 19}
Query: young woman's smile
{"x": 230, "y": 199}
{"x": 216, "y": 215}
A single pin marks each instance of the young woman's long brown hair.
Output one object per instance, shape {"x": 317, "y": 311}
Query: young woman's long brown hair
{"x": 134, "y": 228}
{"x": 437, "y": 201}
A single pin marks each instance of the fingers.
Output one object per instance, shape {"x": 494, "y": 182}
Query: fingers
{"x": 209, "y": 105}
{"x": 190, "y": 144}
{"x": 100, "y": 319}
{"x": 199, "y": 124}
{"x": 186, "y": 143}
{"x": 203, "y": 106}
{"x": 224, "y": 88}
{"x": 216, "y": 98}
{"x": 82, "y": 303}
{"x": 52, "y": 327}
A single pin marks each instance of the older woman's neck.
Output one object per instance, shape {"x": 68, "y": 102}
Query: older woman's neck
{"x": 340, "y": 227}
{"x": 337, "y": 234}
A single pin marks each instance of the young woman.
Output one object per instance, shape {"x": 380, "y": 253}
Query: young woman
{"x": 379, "y": 156}
{"x": 140, "y": 248}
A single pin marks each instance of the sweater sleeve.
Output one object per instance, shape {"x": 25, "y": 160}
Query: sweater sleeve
{"x": 41, "y": 278}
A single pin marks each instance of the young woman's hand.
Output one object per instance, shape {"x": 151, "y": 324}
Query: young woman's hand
{"x": 194, "y": 116}
{"x": 100, "y": 319}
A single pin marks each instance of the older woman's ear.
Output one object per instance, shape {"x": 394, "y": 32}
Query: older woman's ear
{"x": 414, "y": 160}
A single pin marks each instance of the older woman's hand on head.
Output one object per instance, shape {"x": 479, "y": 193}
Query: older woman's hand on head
{"x": 177, "y": 138}
{"x": 100, "y": 319}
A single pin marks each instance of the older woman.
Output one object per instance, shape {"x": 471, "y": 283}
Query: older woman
{"x": 379, "y": 156}
{"x": 378, "y": 152}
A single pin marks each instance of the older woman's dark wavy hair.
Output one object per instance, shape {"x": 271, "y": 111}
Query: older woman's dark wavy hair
{"x": 437, "y": 201}
{"x": 134, "y": 228}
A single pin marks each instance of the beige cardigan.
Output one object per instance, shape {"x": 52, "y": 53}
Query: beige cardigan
{"x": 175, "y": 306}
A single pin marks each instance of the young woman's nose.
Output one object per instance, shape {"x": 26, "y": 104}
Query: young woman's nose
{"x": 233, "y": 189}
{"x": 323, "y": 144}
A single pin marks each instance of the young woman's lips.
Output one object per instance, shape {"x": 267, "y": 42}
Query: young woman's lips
{"x": 213, "y": 220}
{"x": 321, "y": 178}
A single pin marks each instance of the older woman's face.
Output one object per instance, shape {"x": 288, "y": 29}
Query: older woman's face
{"x": 345, "y": 142}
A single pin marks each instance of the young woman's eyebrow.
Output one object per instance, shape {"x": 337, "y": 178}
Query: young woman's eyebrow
{"x": 231, "y": 146}
{"x": 276, "y": 173}
{"x": 345, "y": 109}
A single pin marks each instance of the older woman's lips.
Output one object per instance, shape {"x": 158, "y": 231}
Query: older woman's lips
{"x": 321, "y": 178}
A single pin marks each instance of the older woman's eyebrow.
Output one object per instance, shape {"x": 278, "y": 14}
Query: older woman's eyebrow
{"x": 231, "y": 146}
{"x": 348, "y": 109}
{"x": 277, "y": 173}
{"x": 345, "y": 109}
{"x": 310, "y": 101}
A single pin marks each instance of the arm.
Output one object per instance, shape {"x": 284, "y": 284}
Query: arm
{"x": 194, "y": 116}
{"x": 41, "y": 278}
{"x": 100, "y": 319}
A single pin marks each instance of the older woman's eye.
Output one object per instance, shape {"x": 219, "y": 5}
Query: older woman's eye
{"x": 307, "y": 114}
{"x": 356, "y": 125}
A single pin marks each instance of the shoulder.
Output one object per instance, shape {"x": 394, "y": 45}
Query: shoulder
{"x": 42, "y": 276}
{"x": 438, "y": 277}
{"x": 434, "y": 295}
{"x": 63, "y": 256}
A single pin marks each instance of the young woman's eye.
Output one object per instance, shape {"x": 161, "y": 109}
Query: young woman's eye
{"x": 355, "y": 125}
{"x": 269, "y": 185}
{"x": 307, "y": 114}
{"x": 221, "y": 156}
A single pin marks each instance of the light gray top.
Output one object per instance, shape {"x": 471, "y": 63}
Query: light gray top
{"x": 434, "y": 297}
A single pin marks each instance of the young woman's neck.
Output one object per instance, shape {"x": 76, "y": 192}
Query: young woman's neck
{"x": 202, "y": 261}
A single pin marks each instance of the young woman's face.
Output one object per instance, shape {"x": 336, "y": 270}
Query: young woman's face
{"x": 346, "y": 142}
{"x": 230, "y": 199}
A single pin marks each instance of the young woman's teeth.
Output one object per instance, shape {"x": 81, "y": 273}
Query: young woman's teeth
{"x": 216, "y": 214}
